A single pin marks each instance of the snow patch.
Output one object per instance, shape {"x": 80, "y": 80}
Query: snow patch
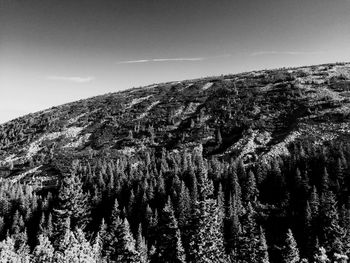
{"x": 191, "y": 108}
{"x": 148, "y": 109}
{"x": 207, "y": 85}
{"x": 35, "y": 146}
{"x": 179, "y": 111}
{"x": 127, "y": 151}
{"x": 136, "y": 101}
{"x": 22, "y": 175}
{"x": 280, "y": 148}
{"x": 73, "y": 120}
{"x": 151, "y": 87}
{"x": 79, "y": 142}
{"x": 10, "y": 159}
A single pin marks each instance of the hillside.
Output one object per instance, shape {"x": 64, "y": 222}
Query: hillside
{"x": 252, "y": 116}
{"x": 249, "y": 168}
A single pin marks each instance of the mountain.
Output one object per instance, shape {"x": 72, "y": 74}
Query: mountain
{"x": 251, "y": 168}
{"x": 252, "y": 116}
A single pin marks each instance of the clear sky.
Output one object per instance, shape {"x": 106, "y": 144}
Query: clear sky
{"x": 57, "y": 51}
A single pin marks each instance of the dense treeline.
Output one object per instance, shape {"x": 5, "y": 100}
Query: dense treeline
{"x": 181, "y": 207}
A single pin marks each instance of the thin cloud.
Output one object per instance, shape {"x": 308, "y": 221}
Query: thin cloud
{"x": 291, "y": 53}
{"x": 161, "y": 60}
{"x": 181, "y": 59}
{"x": 72, "y": 79}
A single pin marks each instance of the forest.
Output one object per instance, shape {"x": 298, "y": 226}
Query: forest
{"x": 181, "y": 207}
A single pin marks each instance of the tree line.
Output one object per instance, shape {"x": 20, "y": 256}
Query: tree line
{"x": 181, "y": 207}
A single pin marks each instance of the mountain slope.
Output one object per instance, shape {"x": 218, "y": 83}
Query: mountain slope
{"x": 252, "y": 116}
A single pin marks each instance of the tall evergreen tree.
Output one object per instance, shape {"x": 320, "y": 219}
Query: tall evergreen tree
{"x": 290, "y": 253}
{"x": 8, "y": 252}
{"x": 247, "y": 251}
{"x": 71, "y": 203}
{"x": 332, "y": 233}
{"x": 44, "y": 251}
{"x": 262, "y": 253}
{"x": 111, "y": 239}
{"x": 207, "y": 241}
{"x": 169, "y": 249}
{"x": 141, "y": 246}
{"x": 251, "y": 191}
{"x": 321, "y": 256}
{"x": 232, "y": 226}
{"x": 125, "y": 248}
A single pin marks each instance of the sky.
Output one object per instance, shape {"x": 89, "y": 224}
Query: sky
{"x": 57, "y": 51}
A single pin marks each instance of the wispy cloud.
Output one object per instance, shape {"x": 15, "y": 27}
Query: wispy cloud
{"x": 74, "y": 79}
{"x": 291, "y": 53}
{"x": 161, "y": 60}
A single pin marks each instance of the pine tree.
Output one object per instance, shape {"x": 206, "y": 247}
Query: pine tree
{"x": 262, "y": 253}
{"x": 8, "y": 252}
{"x": 85, "y": 251}
{"x": 314, "y": 203}
{"x": 62, "y": 239}
{"x": 74, "y": 248}
{"x": 2, "y": 225}
{"x": 111, "y": 239}
{"x": 169, "y": 242}
{"x": 71, "y": 203}
{"x": 125, "y": 250}
{"x": 232, "y": 226}
{"x": 251, "y": 191}
{"x": 207, "y": 240}
{"x": 141, "y": 246}
{"x": 324, "y": 180}
{"x": 332, "y": 232}
{"x": 290, "y": 252}
{"x": 184, "y": 206}
{"x": 309, "y": 235}
{"x": 321, "y": 256}
{"x": 248, "y": 237}
{"x": 44, "y": 251}
{"x": 21, "y": 244}
{"x": 97, "y": 248}
{"x": 102, "y": 237}
{"x": 42, "y": 225}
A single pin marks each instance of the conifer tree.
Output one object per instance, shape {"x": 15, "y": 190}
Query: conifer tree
{"x": 21, "y": 244}
{"x": 42, "y": 225}
{"x": 309, "y": 235}
{"x": 125, "y": 248}
{"x": 2, "y": 225}
{"x": 247, "y": 251}
{"x": 97, "y": 248}
{"x": 332, "y": 233}
{"x": 74, "y": 248}
{"x": 85, "y": 253}
{"x": 111, "y": 239}
{"x": 44, "y": 251}
{"x": 8, "y": 252}
{"x": 184, "y": 206}
{"x": 207, "y": 240}
{"x": 102, "y": 236}
{"x": 232, "y": 226}
{"x": 324, "y": 180}
{"x": 141, "y": 246}
{"x": 71, "y": 203}
{"x": 262, "y": 253}
{"x": 290, "y": 253}
{"x": 251, "y": 191}
{"x": 169, "y": 242}
{"x": 321, "y": 256}
{"x": 314, "y": 203}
